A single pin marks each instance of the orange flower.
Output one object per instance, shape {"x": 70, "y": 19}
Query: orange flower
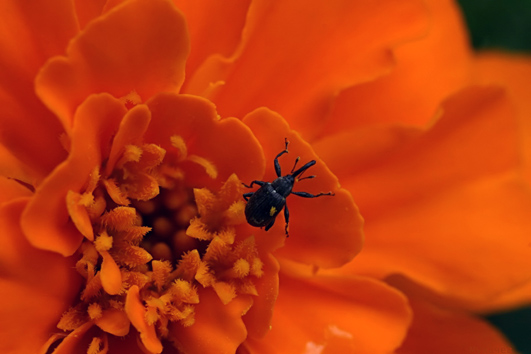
{"x": 122, "y": 175}
{"x": 440, "y": 185}
{"x": 129, "y": 193}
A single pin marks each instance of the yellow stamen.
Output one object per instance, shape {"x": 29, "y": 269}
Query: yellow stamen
{"x": 161, "y": 273}
{"x": 257, "y": 267}
{"x": 115, "y": 193}
{"x": 72, "y": 319}
{"x": 198, "y": 230}
{"x": 131, "y": 256}
{"x": 132, "y": 153}
{"x": 152, "y": 156}
{"x": 188, "y": 265}
{"x": 94, "y": 311}
{"x": 179, "y": 143}
{"x": 236, "y": 213}
{"x": 92, "y": 287}
{"x": 204, "y": 276}
{"x": 120, "y": 218}
{"x": 182, "y": 291}
{"x": 103, "y": 242}
{"x": 95, "y": 346}
{"x": 131, "y": 99}
{"x": 241, "y": 268}
{"x": 209, "y": 167}
{"x": 248, "y": 287}
{"x": 225, "y": 291}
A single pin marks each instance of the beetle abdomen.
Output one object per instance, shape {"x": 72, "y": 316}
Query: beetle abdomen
{"x": 263, "y": 206}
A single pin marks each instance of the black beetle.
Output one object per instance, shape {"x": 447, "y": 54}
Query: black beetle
{"x": 264, "y": 204}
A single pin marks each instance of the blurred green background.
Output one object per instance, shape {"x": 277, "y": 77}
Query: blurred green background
{"x": 499, "y": 23}
{"x": 503, "y": 24}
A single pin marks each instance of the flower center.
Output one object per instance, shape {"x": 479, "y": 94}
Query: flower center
{"x": 153, "y": 244}
{"x": 168, "y": 215}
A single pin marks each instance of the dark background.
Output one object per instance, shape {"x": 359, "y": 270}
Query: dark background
{"x": 499, "y": 23}
{"x": 503, "y": 24}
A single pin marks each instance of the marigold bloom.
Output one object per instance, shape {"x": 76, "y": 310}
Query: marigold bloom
{"x": 122, "y": 171}
{"x": 138, "y": 198}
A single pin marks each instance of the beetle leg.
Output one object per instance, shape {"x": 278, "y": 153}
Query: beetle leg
{"x": 260, "y": 183}
{"x": 270, "y": 224}
{"x": 286, "y": 217}
{"x": 246, "y": 196}
{"x": 308, "y": 195}
{"x": 277, "y": 165}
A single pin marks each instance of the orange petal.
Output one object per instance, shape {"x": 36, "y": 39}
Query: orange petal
{"x": 36, "y": 287}
{"x": 353, "y": 152}
{"x": 111, "y": 278}
{"x": 204, "y": 21}
{"x": 114, "y": 321}
{"x": 502, "y": 301}
{"x": 34, "y": 144}
{"x": 136, "y": 312}
{"x": 226, "y": 143}
{"x": 218, "y": 328}
{"x": 86, "y": 11}
{"x": 508, "y": 300}
{"x": 131, "y": 345}
{"x": 439, "y": 208}
{"x": 258, "y": 319}
{"x": 75, "y": 341}
{"x": 138, "y": 46}
{"x": 13, "y": 167}
{"x": 46, "y": 222}
{"x": 439, "y": 331}
{"x": 335, "y": 315}
{"x": 131, "y": 130}
{"x": 475, "y": 136}
{"x": 512, "y": 72}
{"x": 30, "y": 33}
{"x": 79, "y": 215}
{"x": 295, "y": 57}
{"x": 327, "y": 231}
{"x": 10, "y": 189}
{"x": 420, "y": 80}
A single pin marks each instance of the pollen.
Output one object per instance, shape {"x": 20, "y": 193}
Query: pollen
{"x": 72, "y": 319}
{"x": 241, "y": 268}
{"x": 153, "y": 244}
{"x": 103, "y": 242}
{"x": 95, "y": 346}
{"x": 94, "y": 311}
{"x": 209, "y": 167}
{"x": 178, "y": 143}
{"x": 161, "y": 273}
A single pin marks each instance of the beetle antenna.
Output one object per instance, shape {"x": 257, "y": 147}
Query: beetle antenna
{"x": 295, "y": 165}
{"x": 307, "y": 177}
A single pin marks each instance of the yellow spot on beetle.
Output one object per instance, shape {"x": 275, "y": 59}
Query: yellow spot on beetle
{"x": 272, "y": 211}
